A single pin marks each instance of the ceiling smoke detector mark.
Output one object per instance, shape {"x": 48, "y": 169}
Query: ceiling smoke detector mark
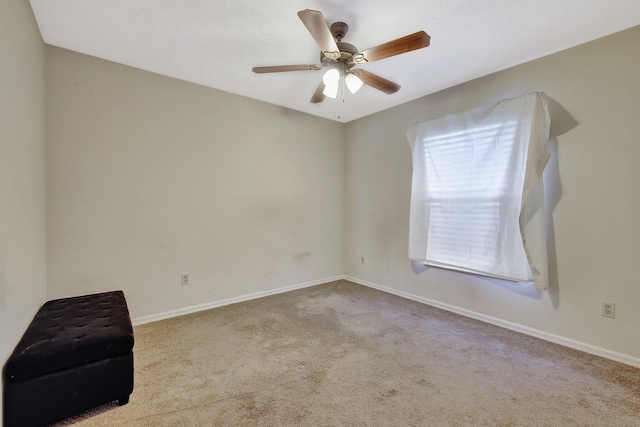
{"x": 608, "y": 309}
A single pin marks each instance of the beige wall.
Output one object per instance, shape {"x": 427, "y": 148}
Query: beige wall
{"x": 149, "y": 177}
{"x": 22, "y": 189}
{"x": 592, "y": 183}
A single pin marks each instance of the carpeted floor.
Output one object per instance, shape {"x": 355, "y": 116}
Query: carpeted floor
{"x": 341, "y": 354}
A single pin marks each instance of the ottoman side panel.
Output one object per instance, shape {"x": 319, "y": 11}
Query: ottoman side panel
{"x": 48, "y": 398}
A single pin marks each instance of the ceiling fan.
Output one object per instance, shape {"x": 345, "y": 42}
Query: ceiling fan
{"x": 341, "y": 58}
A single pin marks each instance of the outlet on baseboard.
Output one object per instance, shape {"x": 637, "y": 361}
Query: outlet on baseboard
{"x": 609, "y": 309}
{"x": 185, "y": 279}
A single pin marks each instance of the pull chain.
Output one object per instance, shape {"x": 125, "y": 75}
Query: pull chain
{"x": 341, "y": 95}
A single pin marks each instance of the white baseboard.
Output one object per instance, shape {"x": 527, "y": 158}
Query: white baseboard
{"x": 567, "y": 342}
{"x": 234, "y": 300}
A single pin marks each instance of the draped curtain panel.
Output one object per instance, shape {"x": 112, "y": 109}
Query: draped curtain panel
{"x": 477, "y": 196}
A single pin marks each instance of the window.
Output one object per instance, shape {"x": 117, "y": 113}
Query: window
{"x": 473, "y": 173}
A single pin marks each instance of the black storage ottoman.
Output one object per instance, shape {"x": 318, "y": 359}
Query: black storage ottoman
{"x": 76, "y": 354}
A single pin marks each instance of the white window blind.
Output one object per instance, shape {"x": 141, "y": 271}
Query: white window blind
{"x": 473, "y": 172}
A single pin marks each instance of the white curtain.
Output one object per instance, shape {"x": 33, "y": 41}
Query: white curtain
{"x": 477, "y": 197}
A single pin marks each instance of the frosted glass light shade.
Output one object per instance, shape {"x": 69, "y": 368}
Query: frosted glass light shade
{"x": 330, "y": 80}
{"x": 353, "y": 83}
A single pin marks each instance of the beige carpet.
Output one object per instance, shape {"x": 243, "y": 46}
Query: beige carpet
{"x": 341, "y": 354}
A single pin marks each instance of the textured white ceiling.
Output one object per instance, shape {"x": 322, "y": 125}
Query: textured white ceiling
{"x": 216, "y": 42}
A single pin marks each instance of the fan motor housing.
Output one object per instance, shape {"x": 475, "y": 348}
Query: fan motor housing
{"x": 347, "y": 51}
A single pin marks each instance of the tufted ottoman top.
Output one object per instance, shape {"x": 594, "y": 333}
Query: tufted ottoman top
{"x": 70, "y": 332}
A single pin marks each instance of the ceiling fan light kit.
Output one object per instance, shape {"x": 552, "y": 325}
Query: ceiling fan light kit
{"x": 353, "y": 82}
{"x": 331, "y": 80}
{"x": 340, "y": 57}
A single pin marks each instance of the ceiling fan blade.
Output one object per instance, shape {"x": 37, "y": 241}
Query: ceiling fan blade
{"x": 318, "y": 96}
{"x": 317, "y": 26}
{"x": 395, "y": 47}
{"x": 377, "y": 82}
{"x": 281, "y": 68}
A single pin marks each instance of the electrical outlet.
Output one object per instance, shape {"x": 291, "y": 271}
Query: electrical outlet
{"x": 185, "y": 279}
{"x": 362, "y": 260}
{"x": 609, "y": 309}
